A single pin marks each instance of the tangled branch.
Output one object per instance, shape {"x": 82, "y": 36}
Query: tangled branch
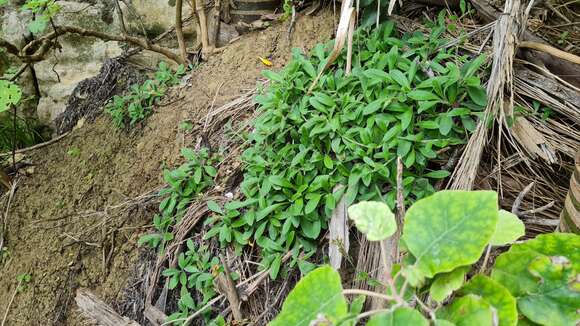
{"x": 42, "y": 45}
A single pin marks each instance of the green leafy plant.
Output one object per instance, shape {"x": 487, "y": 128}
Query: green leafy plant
{"x": 15, "y": 131}
{"x": 10, "y": 94}
{"x": 195, "y": 270}
{"x": 404, "y": 98}
{"x": 186, "y": 126}
{"x": 535, "y": 280}
{"x": 43, "y": 11}
{"x": 23, "y": 280}
{"x": 136, "y": 106}
{"x": 74, "y": 152}
{"x": 184, "y": 184}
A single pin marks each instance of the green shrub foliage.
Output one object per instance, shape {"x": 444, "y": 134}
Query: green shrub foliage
{"x": 534, "y": 282}
{"x": 404, "y": 98}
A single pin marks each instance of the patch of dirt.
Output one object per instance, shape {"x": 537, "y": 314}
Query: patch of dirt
{"x": 97, "y": 167}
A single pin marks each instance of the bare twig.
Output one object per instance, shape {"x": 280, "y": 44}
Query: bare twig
{"x": 46, "y": 42}
{"x": 10, "y": 303}
{"x": 37, "y": 146}
{"x": 4, "y": 222}
{"x": 199, "y": 7}
{"x": 425, "y": 308}
{"x": 18, "y": 73}
{"x": 400, "y": 193}
{"x": 368, "y": 294}
{"x": 539, "y": 209}
{"x": 121, "y": 17}
{"x": 485, "y": 259}
{"x": 518, "y": 202}
{"x": 292, "y": 22}
{"x": 231, "y": 291}
{"x": 551, "y": 50}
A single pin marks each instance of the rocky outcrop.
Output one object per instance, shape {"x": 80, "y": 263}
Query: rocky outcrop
{"x": 79, "y": 58}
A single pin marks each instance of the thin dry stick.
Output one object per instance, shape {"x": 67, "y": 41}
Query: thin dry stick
{"x": 425, "y": 308}
{"x": 519, "y": 198}
{"x": 250, "y": 289}
{"x": 507, "y": 30}
{"x": 4, "y": 223}
{"x": 485, "y": 259}
{"x": 10, "y": 303}
{"x": 551, "y": 50}
{"x": 368, "y": 294}
{"x": 539, "y": 209}
{"x": 232, "y": 292}
{"x": 376, "y": 311}
{"x": 22, "y": 150}
{"x": 400, "y": 193}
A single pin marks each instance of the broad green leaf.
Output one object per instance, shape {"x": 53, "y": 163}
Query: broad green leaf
{"x": 444, "y": 284}
{"x": 187, "y": 300}
{"x": 420, "y": 95}
{"x": 357, "y": 305}
{"x": 511, "y": 267}
{"x": 309, "y": 68}
{"x": 399, "y": 317}
{"x": 275, "y": 266}
{"x": 311, "y": 229}
{"x": 214, "y": 207}
{"x": 188, "y": 154}
{"x": 449, "y": 229}
{"x": 374, "y": 219}
{"x": 497, "y": 296}
{"x": 373, "y": 107}
{"x": 469, "y": 310}
{"x": 471, "y": 67}
{"x": 328, "y": 162}
{"x": 38, "y": 25}
{"x": 266, "y": 211}
{"x": 477, "y": 95}
{"x": 403, "y": 148}
{"x": 445, "y": 124}
{"x": 509, "y": 228}
{"x": 543, "y": 274}
{"x": 312, "y": 203}
{"x": 319, "y": 293}
{"x": 280, "y": 181}
{"x": 400, "y": 78}
{"x": 272, "y": 76}
{"x": 440, "y": 174}
{"x": 10, "y": 94}
{"x": 556, "y": 300}
{"x": 406, "y": 118}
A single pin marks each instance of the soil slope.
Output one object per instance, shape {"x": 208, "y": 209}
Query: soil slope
{"x": 63, "y": 228}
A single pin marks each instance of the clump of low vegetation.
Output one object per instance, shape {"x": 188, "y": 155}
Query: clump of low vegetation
{"x": 405, "y": 98}
{"x": 129, "y": 109}
{"x": 15, "y": 131}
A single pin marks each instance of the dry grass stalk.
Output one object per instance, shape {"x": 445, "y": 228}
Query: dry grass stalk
{"x": 369, "y": 262}
{"x": 570, "y": 216}
{"x": 500, "y": 80}
{"x": 344, "y": 34}
{"x": 338, "y": 234}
